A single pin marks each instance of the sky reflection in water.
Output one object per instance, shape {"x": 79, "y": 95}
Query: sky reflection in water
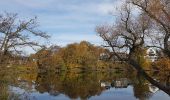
{"x": 92, "y": 86}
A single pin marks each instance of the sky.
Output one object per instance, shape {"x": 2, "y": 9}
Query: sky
{"x": 66, "y": 21}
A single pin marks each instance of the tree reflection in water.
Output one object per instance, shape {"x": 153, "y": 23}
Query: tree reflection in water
{"x": 85, "y": 85}
{"x": 81, "y": 85}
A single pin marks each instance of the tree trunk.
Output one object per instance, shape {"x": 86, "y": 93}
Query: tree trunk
{"x": 164, "y": 88}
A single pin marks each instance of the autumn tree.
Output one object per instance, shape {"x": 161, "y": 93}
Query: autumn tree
{"x": 16, "y": 34}
{"x": 83, "y": 55}
{"x": 128, "y": 36}
{"x": 159, "y": 12}
{"x": 48, "y": 58}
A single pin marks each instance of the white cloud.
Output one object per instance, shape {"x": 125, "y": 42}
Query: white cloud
{"x": 35, "y": 3}
{"x": 106, "y": 8}
{"x": 67, "y": 20}
{"x": 65, "y": 38}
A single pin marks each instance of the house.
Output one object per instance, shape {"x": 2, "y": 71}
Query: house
{"x": 106, "y": 85}
{"x": 104, "y": 56}
{"x": 121, "y": 83}
{"x": 153, "y": 88}
{"x": 151, "y": 54}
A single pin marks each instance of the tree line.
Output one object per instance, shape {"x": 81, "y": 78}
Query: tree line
{"x": 130, "y": 34}
{"x": 148, "y": 26}
{"x": 82, "y": 56}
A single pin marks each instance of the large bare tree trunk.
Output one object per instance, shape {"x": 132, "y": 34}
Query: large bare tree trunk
{"x": 135, "y": 65}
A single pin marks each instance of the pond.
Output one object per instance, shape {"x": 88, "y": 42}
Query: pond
{"x": 115, "y": 85}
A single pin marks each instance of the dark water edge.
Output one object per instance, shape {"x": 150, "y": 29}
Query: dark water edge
{"x": 79, "y": 85}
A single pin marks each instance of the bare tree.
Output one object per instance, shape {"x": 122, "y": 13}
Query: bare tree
{"x": 159, "y": 12}
{"x": 15, "y": 33}
{"x": 128, "y": 36}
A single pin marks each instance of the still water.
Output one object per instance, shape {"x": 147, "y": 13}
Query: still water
{"x": 80, "y": 86}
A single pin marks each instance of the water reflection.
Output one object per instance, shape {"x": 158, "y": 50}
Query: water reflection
{"x": 118, "y": 83}
{"x": 84, "y": 85}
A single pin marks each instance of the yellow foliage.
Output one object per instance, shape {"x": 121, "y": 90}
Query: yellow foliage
{"x": 139, "y": 54}
{"x": 83, "y": 56}
{"x": 163, "y": 64}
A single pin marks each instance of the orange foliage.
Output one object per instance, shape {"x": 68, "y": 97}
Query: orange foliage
{"x": 163, "y": 64}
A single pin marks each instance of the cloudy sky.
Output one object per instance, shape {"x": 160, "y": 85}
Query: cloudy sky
{"x": 67, "y": 21}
